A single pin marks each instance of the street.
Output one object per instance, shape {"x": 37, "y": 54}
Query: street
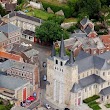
{"x": 44, "y": 53}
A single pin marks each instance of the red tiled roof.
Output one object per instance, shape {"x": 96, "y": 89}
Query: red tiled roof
{"x": 105, "y": 38}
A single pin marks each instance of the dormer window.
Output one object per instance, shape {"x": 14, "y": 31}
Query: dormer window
{"x": 56, "y": 61}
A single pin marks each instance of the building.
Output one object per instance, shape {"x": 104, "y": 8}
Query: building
{"x": 29, "y": 35}
{"x": 87, "y": 27}
{"x": 14, "y": 89}
{"x": 22, "y": 70}
{"x": 70, "y": 79}
{"x": 10, "y": 34}
{"x": 22, "y": 20}
{"x": 106, "y": 41}
{"x": 77, "y": 43}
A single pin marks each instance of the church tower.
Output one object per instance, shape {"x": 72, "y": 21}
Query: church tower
{"x": 61, "y": 72}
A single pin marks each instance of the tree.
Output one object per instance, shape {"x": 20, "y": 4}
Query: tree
{"x": 2, "y": 10}
{"x": 91, "y": 7}
{"x": 50, "y": 31}
{"x": 20, "y": 2}
{"x": 57, "y": 19}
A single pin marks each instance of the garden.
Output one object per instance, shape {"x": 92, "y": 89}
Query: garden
{"x": 91, "y": 102}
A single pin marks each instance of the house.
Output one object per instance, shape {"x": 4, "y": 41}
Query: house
{"x": 71, "y": 80}
{"x": 14, "y": 89}
{"x": 23, "y": 21}
{"x": 22, "y": 70}
{"x": 9, "y": 34}
{"x": 29, "y": 35}
{"x": 106, "y": 41}
{"x": 10, "y": 7}
{"x": 88, "y": 27}
{"x": 76, "y": 43}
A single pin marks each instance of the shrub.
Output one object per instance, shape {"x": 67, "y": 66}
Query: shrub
{"x": 96, "y": 107}
{"x": 107, "y": 105}
{"x": 90, "y": 99}
{"x": 56, "y": 8}
{"x": 91, "y": 104}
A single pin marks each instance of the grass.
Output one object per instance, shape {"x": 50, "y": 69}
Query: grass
{"x": 107, "y": 105}
{"x": 38, "y": 13}
{"x": 70, "y": 20}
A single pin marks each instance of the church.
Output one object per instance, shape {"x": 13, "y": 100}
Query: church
{"x": 73, "y": 79}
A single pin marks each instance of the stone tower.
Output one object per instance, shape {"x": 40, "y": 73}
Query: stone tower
{"x": 62, "y": 73}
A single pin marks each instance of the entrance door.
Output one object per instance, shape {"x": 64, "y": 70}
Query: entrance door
{"x": 79, "y": 101}
{"x": 24, "y": 94}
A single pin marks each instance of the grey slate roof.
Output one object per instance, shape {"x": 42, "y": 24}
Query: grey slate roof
{"x": 105, "y": 55}
{"x": 14, "y": 13}
{"x": 105, "y": 91}
{"x": 71, "y": 59}
{"x": 78, "y": 35}
{"x": 8, "y": 28}
{"x": 84, "y": 21}
{"x": 10, "y": 82}
{"x": 90, "y": 80}
{"x": 76, "y": 87}
{"x": 88, "y": 29}
{"x": 82, "y": 55}
{"x": 2, "y": 37}
{"x": 28, "y": 32}
{"x": 31, "y": 53}
{"x": 19, "y": 65}
{"x": 62, "y": 52}
{"x": 87, "y": 81}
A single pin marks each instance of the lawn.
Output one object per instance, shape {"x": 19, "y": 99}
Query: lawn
{"x": 38, "y": 13}
{"x": 70, "y": 20}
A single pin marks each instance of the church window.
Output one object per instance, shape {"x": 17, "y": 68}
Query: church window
{"x": 56, "y": 61}
{"x": 90, "y": 88}
{"x": 61, "y": 63}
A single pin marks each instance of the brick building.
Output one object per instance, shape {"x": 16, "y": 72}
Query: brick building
{"x": 22, "y": 70}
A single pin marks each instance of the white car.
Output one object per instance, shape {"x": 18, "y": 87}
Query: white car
{"x": 47, "y": 106}
{"x": 44, "y": 77}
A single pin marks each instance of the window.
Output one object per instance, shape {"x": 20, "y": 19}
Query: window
{"x": 103, "y": 73}
{"x": 96, "y": 86}
{"x": 61, "y": 63}
{"x": 85, "y": 89}
{"x": 107, "y": 97}
{"x": 90, "y": 88}
{"x": 56, "y": 61}
{"x": 108, "y": 83}
{"x": 79, "y": 94}
{"x": 102, "y": 86}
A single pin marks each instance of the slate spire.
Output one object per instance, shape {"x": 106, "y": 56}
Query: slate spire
{"x": 62, "y": 52}
{"x": 53, "y": 53}
{"x": 71, "y": 59}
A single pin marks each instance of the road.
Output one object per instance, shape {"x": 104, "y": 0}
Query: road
{"x": 44, "y": 53}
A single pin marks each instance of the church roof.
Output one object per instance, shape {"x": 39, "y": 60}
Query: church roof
{"x": 87, "y": 81}
{"x": 105, "y": 91}
{"x": 62, "y": 52}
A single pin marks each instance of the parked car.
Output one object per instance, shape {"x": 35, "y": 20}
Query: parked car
{"x": 47, "y": 106}
{"x": 44, "y": 77}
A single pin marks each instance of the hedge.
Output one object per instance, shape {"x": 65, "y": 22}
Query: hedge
{"x": 90, "y": 99}
{"x": 55, "y": 8}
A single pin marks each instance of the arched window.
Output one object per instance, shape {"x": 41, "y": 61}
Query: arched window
{"x": 56, "y": 61}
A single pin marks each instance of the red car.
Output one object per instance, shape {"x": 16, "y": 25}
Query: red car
{"x": 31, "y": 98}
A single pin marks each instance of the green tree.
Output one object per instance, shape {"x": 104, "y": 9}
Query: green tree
{"x": 57, "y": 19}
{"x": 2, "y": 11}
{"x": 91, "y": 7}
{"x": 50, "y": 31}
{"x": 20, "y": 2}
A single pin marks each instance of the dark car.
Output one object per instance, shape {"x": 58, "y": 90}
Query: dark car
{"x": 44, "y": 64}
